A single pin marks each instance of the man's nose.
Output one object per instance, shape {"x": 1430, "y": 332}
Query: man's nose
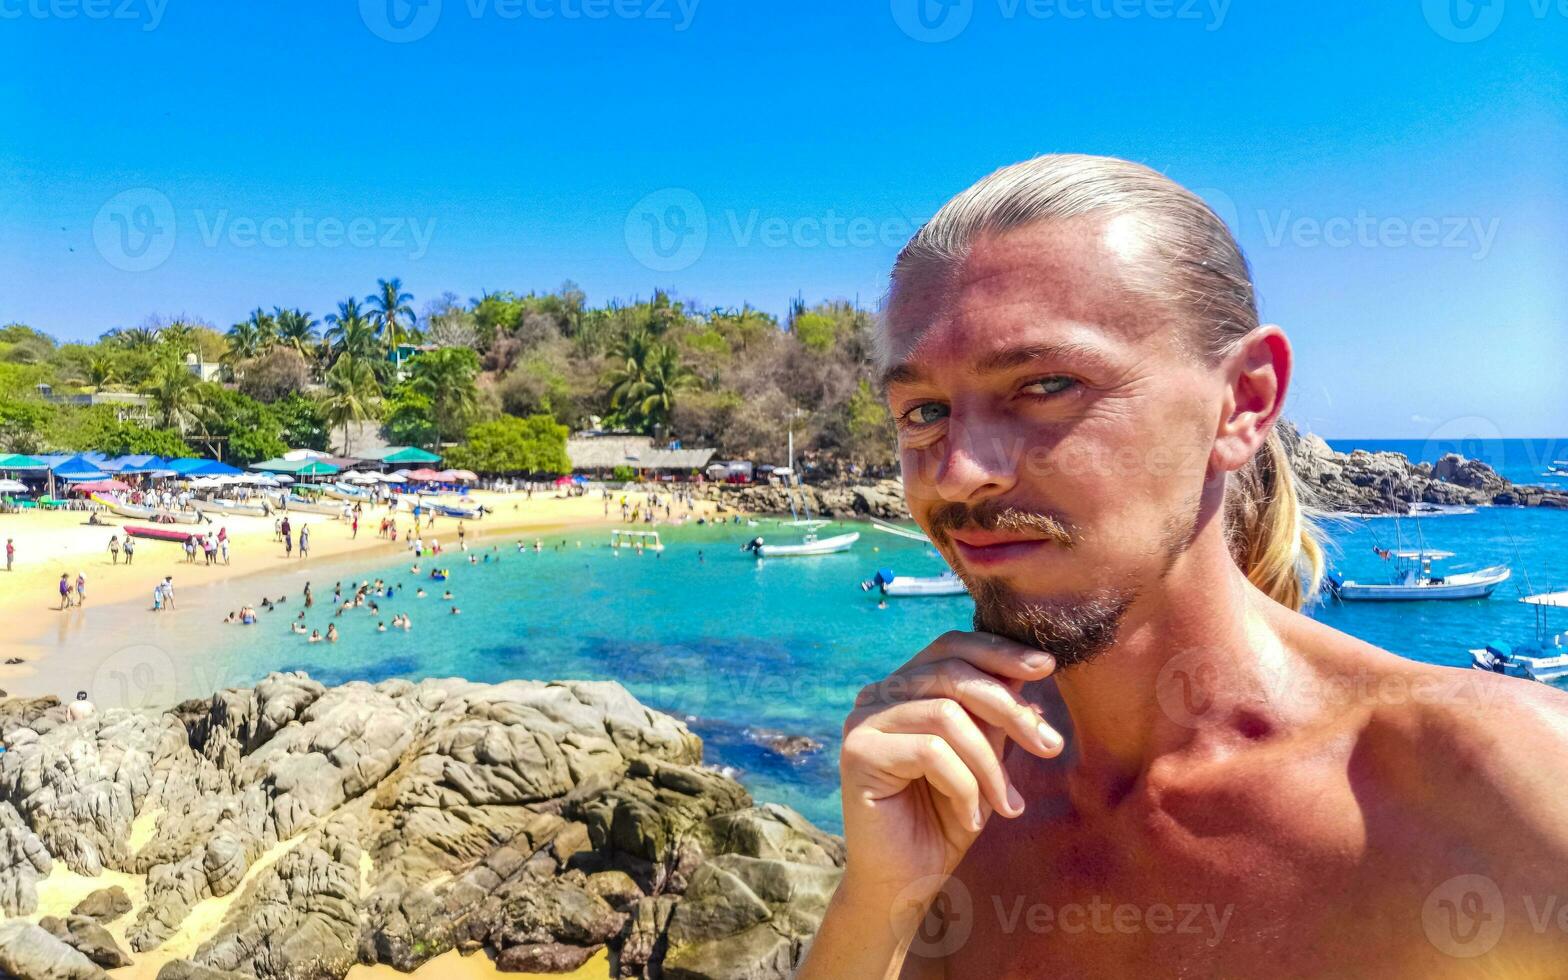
{"x": 974, "y": 461}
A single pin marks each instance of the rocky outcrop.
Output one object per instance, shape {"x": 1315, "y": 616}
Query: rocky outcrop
{"x": 883, "y": 499}
{"x": 1359, "y": 482}
{"x": 390, "y": 823}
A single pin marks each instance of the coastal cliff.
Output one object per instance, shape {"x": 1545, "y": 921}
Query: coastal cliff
{"x": 391, "y": 823}
{"x": 1360, "y": 482}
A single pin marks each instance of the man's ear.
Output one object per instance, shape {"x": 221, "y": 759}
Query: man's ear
{"x": 1257, "y": 376}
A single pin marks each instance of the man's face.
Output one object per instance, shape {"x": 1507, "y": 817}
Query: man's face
{"x": 1054, "y": 428}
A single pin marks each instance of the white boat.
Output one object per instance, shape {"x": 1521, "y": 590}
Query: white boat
{"x": 344, "y": 492}
{"x": 1545, "y": 659}
{"x": 1413, "y": 580}
{"x": 812, "y": 545}
{"x": 904, "y": 586}
{"x": 154, "y": 514}
{"x": 245, "y": 507}
{"x": 300, "y": 505}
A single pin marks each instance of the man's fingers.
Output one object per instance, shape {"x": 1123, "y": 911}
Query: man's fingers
{"x": 989, "y": 652}
{"x": 993, "y": 701}
{"x": 948, "y": 719}
{"x": 908, "y": 757}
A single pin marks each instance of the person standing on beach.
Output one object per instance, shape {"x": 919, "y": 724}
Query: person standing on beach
{"x": 168, "y": 592}
{"x": 65, "y": 590}
{"x": 304, "y": 541}
{"x": 81, "y": 588}
{"x": 10, "y": 553}
{"x": 1143, "y": 737}
{"x": 114, "y": 549}
{"x": 130, "y": 548}
{"x": 223, "y": 543}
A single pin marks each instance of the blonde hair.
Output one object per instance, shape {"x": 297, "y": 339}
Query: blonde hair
{"x": 1198, "y": 269}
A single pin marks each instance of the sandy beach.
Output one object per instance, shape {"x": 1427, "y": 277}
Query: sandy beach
{"x": 40, "y": 633}
{"x": 49, "y": 544}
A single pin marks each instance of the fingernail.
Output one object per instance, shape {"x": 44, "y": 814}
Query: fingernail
{"x": 1039, "y": 661}
{"x": 1048, "y": 736}
{"x": 1015, "y": 801}
{"x": 978, "y": 818}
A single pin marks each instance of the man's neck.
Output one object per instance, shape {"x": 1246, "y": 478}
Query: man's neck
{"x": 1201, "y": 632}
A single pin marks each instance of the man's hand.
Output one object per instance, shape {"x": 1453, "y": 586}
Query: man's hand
{"x": 922, "y": 759}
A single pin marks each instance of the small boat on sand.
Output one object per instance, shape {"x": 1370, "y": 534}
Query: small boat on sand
{"x": 117, "y": 506}
{"x": 300, "y": 505}
{"x": 160, "y": 533}
{"x": 247, "y": 508}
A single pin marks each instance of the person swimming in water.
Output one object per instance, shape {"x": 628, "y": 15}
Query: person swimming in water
{"x": 315, "y": 636}
{"x": 332, "y": 633}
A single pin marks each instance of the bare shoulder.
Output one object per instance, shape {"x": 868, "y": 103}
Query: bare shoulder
{"x": 1477, "y": 753}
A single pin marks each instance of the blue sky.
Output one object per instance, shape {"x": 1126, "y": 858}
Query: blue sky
{"x": 1397, "y": 171}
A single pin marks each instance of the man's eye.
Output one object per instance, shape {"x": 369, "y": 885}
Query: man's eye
{"x": 926, "y": 413}
{"x": 1050, "y": 386}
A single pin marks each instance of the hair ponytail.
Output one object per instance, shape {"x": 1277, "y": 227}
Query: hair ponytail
{"x": 1267, "y": 525}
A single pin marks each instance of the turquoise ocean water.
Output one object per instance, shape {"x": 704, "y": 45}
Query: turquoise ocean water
{"x": 740, "y": 647}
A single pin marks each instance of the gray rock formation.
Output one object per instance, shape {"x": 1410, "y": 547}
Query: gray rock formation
{"x": 1345, "y": 483}
{"x": 389, "y": 823}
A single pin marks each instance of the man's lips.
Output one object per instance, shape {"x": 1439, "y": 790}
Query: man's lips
{"x": 984, "y": 549}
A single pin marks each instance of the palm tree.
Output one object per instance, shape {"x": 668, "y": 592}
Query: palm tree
{"x": 350, "y": 333}
{"x": 631, "y": 355}
{"x": 297, "y": 330}
{"x": 133, "y": 338}
{"x": 245, "y": 342}
{"x": 389, "y": 309}
{"x": 176, "y": 393}
{"x": 663, "y": 377}
{"x": 352, "y": 392}
{"x": 644, "y": 383}
{"x": 102, "y": 371}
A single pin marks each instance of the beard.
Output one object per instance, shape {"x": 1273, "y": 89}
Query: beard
{"x": 1075, "y": 630}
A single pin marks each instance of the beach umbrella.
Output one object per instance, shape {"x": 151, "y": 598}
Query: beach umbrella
{"x": 12, "y": 486}
{"x": 393, "y": 478}
{"x": 467, "y": 476}
{"x": 101, "y": 486}
{"x": 18, "y": 461}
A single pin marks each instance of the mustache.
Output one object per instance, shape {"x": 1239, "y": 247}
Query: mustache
{"x": 994, "y": 515}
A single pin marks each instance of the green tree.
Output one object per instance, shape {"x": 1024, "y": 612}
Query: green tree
{"x": 408, "y": 419}
{"x": 352, "y": 392}
{"x": 297, "y": 330}
{"x": 302, "y": 422}
{"x": 535, "y": 445}
{"x": 176, "y": 393}
{"x": 446, "y": 378}
{"x": 392, "y": 312}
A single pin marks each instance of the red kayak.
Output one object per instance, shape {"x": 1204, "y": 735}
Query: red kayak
{"x": 160, "y": 533}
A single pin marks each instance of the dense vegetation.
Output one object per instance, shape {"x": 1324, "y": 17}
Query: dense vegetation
{"x": 494, "y": 383}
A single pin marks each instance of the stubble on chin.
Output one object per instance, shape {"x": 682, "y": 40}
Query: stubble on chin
{"x": 1074, "y": 629}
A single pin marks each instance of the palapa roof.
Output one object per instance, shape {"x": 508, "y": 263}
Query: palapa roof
{"x": 638, "y": 452}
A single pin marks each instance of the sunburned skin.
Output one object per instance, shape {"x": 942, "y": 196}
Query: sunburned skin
{"x": 1142, "y": 764}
